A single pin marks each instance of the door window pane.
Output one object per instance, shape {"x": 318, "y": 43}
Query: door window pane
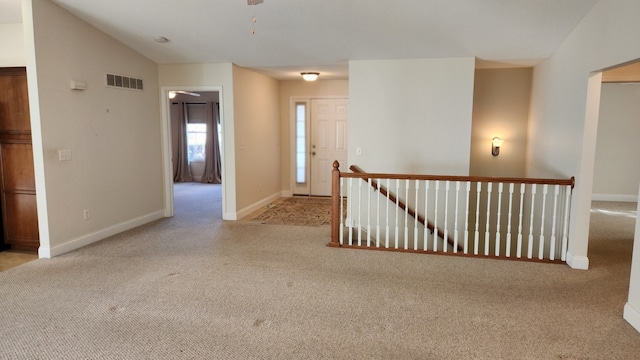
{"x": 301, "y": 143}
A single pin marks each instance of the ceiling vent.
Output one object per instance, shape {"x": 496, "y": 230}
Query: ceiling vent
{"x": 124, "y": 82}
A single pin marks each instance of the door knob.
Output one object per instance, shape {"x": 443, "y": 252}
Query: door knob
{"x": 313, "y": 153}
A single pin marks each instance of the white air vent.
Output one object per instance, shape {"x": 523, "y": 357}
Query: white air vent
{"x": 125, "y": 82}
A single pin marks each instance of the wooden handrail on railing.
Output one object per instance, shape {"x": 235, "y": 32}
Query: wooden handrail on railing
{"x": 401, "y": 204}
{"x": 519, "y": 225}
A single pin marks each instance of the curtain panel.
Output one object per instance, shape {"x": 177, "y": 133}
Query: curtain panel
{"x": 179, "y": 119}
{"x": 212, "y": 168}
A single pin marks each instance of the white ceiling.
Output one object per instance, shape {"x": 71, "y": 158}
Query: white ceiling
{"x": 323, "y": 35}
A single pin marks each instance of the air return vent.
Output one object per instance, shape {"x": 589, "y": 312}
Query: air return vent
{"x": 125, "y": 82}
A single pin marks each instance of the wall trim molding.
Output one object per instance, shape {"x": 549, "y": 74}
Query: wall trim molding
{"x": 614, "y": 197}
{"x": 632, "y": 316}
{"x": 255, "y": 206}
{"x": 45, "y": 252}
{"x": 577, "y": 262}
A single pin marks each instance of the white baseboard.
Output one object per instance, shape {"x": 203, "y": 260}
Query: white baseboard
{"x": 632, "y": 316}
{"x": 614, "y": 197}
{"x": 45, "y": 252}
{"x": 578, "y": 262}
{"x": 255, "y": 206}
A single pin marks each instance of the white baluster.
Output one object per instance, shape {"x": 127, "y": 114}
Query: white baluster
{"x": 476, "y": 239}
{"x": 415, "y": 218}
{"x": 386, "y": 241}
{"x": 406, "y": 214}
{"x": 341, "y": 211}
{"x": 565, "y": 225}
{"x": 445, "y": 241}
{"x": 508, "y": 251}
{"x": 552, "y": 242}
{"x": 530, "y": 244}
{"x": 369, "y": 212}
{"x": 350, "y": 212}
{"x": 519, "y": 247}
{"x": 455, "y": 227}
{"x": 466, "y": 221}
{"x": 360, "y": 212}
{"x": 497, "y": 251}
{"x": 426, "y": 215}
{"x": 377, "y": 193}
{"x": 397, "y": 213}
{"x": 545, "y": 188}
{"x": 487, "y": 238}
{"x": 435, "y": 218}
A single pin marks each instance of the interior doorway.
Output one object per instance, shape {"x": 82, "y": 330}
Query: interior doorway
{"x": 319, "y": 137}
{"x": 193, "y": 143}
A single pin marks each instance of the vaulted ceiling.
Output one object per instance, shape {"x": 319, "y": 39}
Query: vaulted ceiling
{"x": 290, "y": 36}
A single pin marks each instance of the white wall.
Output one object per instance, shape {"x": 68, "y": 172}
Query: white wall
{"x": 411, "y": 116}
{"x": 113, "y": 134}
{"x": 565, "y": 105}
{"x": 632, "y": 308}
{"x": 11, "y": 45}
{"x": 617, "y": 171}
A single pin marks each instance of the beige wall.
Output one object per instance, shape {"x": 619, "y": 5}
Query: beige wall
{"x": 565, "y": 105}
{"x": 500, "y": 108}
{"x": 305, "y": 89}
{"x": 113, "y": 134}
{"x": 411, "y": 116}
{"x": 617, "y": 171}
{"x": 257, "y": 139}
{"x": 11, "y": 45}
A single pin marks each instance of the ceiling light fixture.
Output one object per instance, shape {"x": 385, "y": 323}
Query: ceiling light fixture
{"x": 310, "y": 76}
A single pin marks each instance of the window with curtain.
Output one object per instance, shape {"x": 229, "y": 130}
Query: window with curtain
{"x": 196, "y": 131}
{"x": 196, "y": 140}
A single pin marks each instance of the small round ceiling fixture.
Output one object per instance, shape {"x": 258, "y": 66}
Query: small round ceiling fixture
{"x": 310, "y": 76}
{"x": 161, "y": 40}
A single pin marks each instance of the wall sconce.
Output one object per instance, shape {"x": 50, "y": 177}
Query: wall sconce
{"x": 310, "y": 76}
{"x": 496, "y": 142}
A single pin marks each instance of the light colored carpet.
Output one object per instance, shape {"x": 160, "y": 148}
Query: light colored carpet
{"x": 299, "y": 211}
{"x": 195, "y": 287}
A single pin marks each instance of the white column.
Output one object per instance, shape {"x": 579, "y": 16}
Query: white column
{"x": 632, "y": 308}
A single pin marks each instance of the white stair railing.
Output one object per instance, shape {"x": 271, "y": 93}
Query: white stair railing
{"x": 393, "y": 212}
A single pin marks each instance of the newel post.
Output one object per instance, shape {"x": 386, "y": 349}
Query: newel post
{"x": 335, "y": 204}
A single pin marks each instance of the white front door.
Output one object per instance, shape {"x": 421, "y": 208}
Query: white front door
{"x": 328, "y": 142}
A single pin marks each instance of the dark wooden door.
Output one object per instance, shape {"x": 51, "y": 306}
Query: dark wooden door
{"x": 17, "y": 179}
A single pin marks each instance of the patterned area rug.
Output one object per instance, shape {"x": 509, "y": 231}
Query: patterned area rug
{"x": 302, "y": 211}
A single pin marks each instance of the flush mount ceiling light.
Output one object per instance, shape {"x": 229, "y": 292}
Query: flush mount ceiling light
{"x": 161, "y": 40}
{"x": 310, "y": 76}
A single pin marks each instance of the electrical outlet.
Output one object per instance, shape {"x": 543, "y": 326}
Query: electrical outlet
{"x": 358, "y": 151}
{"x": 86, "y": 214}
